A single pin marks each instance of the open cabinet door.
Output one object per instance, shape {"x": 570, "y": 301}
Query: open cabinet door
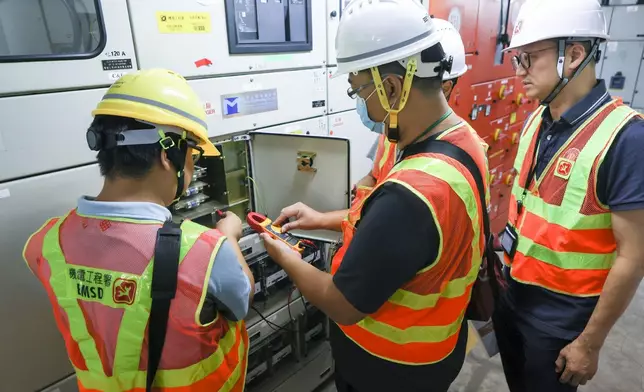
{"x": 287, "y": 169}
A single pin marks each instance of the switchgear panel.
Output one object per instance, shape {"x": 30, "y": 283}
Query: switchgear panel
{"x": 241, "y": 103}
{"x": 621, "y": 67}
{"x": 348, "y": 125}
{"x": 204, "y": 38}
{"x": 269, "y": 26}
{"x": 338, "y": 88}
{"x": 52, "y": 45}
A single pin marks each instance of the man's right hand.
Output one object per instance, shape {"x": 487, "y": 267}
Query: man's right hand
{"x": 304, "y": 218}
{"x": 230, "y": 226}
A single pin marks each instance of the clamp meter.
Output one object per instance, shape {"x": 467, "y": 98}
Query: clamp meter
{"x": 262, "y": 224}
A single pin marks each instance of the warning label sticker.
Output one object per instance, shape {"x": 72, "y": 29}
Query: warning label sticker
{"x": 116, "y": 64}
{"x": 183, "y": 22}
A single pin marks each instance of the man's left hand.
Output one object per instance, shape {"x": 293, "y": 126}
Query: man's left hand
{"x": 578, "y": 361}
{"x": 278, "y": 250}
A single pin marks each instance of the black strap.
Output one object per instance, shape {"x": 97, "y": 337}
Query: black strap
{"x": 457, "y": 153}
{"x": 164, "y": 286}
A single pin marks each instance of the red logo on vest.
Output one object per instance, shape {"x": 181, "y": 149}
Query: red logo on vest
{"x": 563, "y": 168}
{"x": 124, "y": 291}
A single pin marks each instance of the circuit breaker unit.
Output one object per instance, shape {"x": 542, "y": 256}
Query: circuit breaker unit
{"x": 269, "y": 26}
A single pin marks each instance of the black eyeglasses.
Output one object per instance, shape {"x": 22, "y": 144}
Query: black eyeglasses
{"x": 523, "y": 58}
{"x": 353, "y": 92}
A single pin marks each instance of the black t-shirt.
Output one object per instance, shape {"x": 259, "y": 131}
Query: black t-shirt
{"x": 397, "y": 237}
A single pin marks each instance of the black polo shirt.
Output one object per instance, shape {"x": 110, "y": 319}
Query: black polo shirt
{"x": 396, "y": 237}
{"x": 620, "y": 186}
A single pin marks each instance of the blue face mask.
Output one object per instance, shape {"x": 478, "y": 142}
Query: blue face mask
{"x": 361, "y": 108}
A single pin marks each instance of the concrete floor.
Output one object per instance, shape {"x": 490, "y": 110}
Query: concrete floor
{"x": 621, "y": 364}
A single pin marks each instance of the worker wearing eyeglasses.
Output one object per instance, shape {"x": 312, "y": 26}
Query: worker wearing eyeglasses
{"x": 383, "y": 152}
{"x": 574, "y": 254}
{"x": 102, "y": 262}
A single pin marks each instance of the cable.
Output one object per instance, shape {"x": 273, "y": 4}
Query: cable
{"x": 261, "y": 205}
{"x": 271, "y": 324}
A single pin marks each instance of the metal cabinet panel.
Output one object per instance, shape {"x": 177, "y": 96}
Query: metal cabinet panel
{"x": 624, "y": 57}
{"x": 106, "y": 65}
{"x": 33, "y": 354}
{"x": 315, "y": 126}
{"x": 348, "y": 125}
{"x": 333, "y": 13}
{"x": 189, "y": 37}
{"x": 339, "y": 100}
{"x": 627, "y": 23}
{"x": 45, "y": 132}
{"x": 463, "y": 15}
{"x": 241, "y": 103}
{"x": 638, "y": 97}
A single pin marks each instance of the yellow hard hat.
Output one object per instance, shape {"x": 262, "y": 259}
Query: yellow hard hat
{"x": 158, "y": 96}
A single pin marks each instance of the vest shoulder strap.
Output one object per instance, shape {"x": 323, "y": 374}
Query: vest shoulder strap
{"x": 164, "y": 286}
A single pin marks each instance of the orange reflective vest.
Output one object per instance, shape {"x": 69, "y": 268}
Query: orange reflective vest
{"x": 420, "y": 323}
{"x": 565, "y": 237}
{"x": 97, "y": 273}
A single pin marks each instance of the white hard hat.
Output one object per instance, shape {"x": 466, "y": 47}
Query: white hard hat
{"x": 453, "y": 46}
{"x": 540, "y": 20}
{"x": 378, "y": 32}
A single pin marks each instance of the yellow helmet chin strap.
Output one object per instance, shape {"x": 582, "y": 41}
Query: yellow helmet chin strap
{"x": 384, "y": 101}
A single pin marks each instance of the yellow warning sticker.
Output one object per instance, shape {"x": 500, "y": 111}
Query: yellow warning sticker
{"x": 183, "y": 22}
{"x": 513, "y": 117}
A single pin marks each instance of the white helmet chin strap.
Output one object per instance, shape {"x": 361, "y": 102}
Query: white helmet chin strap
{"x": 563, "y": 81}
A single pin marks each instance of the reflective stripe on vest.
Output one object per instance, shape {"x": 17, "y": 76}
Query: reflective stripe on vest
{"x": 419, "y": 323}
{"x": 385, "y": 158}
{"x": 566, "y": 246}
{"x": 232, "y": 347}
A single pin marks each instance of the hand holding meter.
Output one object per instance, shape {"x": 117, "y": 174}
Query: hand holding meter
{"x": 262, "y": 224}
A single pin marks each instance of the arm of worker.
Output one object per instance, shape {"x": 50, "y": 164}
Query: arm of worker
{"x": 300, "y": 216}
{"x": 396, "y": 238}
{"x": 231, "y": 284}
{"x": 625, "y": 197}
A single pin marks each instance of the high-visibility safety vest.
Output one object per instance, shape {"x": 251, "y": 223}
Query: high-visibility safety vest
{"x": 385, "y": 158}
{"x": 420, "y": 323}
{"x": 565, "y": 237}
{"x": 97, "y": 273}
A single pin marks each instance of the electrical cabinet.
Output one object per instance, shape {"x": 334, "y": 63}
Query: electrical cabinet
{"x": 45, "y": 132}
{"x": 638, "y": 96}
{"x": 314, "y": 126}
{"x": 463, "y": 15}
{"x": 348, "y": 125}
{"x": 333, "y": 13}
{"x": 52, "y": 45}
{"x": 338, "y": 87}
{"x": 626, "y": 23}
{"x": 207, "y": 37}
{"x": 621, "y": 67}
{"x": 25, "y": 205}
{"x": 241, "y": 103}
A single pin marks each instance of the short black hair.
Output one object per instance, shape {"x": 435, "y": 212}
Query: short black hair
{"x": 124, "y": 161}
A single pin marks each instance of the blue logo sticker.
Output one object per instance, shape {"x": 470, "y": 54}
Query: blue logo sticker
{"x": 231, "y": 106}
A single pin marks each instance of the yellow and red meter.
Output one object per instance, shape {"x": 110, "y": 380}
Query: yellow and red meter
{"x": 261, "y": 224}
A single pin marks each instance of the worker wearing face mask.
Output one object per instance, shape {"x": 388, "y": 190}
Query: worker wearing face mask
{"x": 383, "y": 152}
{"x": 144, "y": 304}
{"x": 411, "y": 250}
{"x": 574, "y": 249}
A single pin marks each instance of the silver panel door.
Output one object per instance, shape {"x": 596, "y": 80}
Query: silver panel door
{"x": 32, "y": 352}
